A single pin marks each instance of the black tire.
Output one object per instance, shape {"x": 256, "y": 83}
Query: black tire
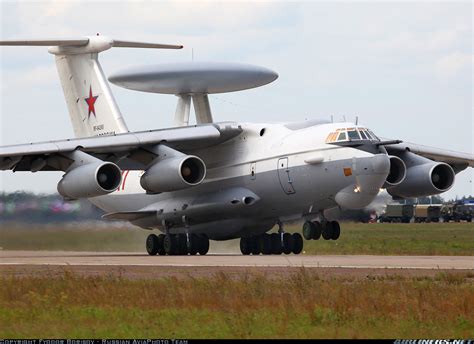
{"x": 327, "y": 230}
{"x": 152, "y": 245}
{"x": 193, "y": 244}
{"x": 245, "y": 247}
{"x": 203, "y": 244}
{"x": 161, "y": 248}
{"x": 255, "y": 245}
{"x": 170, "y": 244}
{"x": 266, "y": 244}
{"x": 182, "y": 245}
{"x": 336, "y": 230}
{"x": 308, "y": 230}
{"x": 318, "y": 229}
{"x": 297, "y": 243}
{"x": 276, "y": 243}
{"x": 287, "y": 243}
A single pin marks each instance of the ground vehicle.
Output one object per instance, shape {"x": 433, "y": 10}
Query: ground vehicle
{"x": 427, "y": 212}
{"x": 398, "y": 213}
{"x": 460, "y": 211}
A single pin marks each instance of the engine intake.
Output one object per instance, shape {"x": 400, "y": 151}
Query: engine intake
{"x": 425, "y": 180}
{"x": 398, "y": 171}
{"x": 173, "y": 174}
{"x": 91, "y": 180}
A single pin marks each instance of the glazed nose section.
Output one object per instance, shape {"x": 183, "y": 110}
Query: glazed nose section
{"x": 370, "y": 174}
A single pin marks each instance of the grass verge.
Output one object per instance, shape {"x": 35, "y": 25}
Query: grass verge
{"x": 356, "y": 238}
{"x": 252, "y": 305}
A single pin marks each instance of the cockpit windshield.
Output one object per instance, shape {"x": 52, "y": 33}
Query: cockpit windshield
{"x": 351, "y": 134}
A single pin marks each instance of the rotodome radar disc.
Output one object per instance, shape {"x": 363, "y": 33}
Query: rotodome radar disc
{"x": 194, "y": 77}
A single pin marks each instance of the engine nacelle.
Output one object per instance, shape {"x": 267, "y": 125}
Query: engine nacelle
{"x": 425, "y": 180}
{"x": 173, "y": 174}
{"x": 91, "y": 180}
{"x": 398, "y": 171}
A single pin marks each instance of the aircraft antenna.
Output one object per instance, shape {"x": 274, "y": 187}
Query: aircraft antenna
{"x": 344, "y": 117}
{"x": 357, "y": 120}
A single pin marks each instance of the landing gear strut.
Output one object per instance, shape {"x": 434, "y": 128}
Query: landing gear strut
{"x": 329, "y": 230}
{"x": 177, "y": 244}
{"x": 274, "y": 243}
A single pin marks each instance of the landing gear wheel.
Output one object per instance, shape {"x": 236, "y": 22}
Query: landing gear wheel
{"x": 161, "y": 248}
{"x": 245, "y": 246}
{"x": 327, "y": 230}
{"x": 297, "y": 243}
{"x": 152, "y": 245}
{"x": 276, "y": 243}
{"x": 182, "y": 245}
{"x": 318, "y": 229}
{"x": 287, "y": 243}
{"x": 255, "y": 245}
{"x": 170, "y": 244}
{"x": 203, "y": 244}
{"x": 266, "y": 244}
{"x": 193, "y": 244}
{"x": 308, "y": 230}
{"x": 336, "y": 230}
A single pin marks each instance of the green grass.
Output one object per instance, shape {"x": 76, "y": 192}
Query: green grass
{"x": 399, "y": 239}
{"x": 384, "y": 239}
{"x": 301, "y": 305}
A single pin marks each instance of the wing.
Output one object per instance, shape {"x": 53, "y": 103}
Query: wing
{"x": 459, "y": 161}
{"x": 131, "y": 151}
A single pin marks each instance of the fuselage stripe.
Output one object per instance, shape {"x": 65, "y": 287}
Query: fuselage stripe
{"x": 125, "y": 179}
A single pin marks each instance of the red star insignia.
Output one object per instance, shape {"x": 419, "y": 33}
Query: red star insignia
{"x": 90, "y": 102}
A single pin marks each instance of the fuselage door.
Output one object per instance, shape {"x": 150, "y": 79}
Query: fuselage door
{"x": 285, "y": 177}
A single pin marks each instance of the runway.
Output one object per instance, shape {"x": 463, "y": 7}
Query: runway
{"x": 59, "y": 258}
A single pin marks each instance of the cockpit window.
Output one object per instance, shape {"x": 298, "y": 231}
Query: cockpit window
{"x": 342, "y": 136}
{"x": 353, "y": 135}
{"x": 373, "y": 136}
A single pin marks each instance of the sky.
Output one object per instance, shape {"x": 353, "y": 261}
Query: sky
{"x": 404, "y": 68}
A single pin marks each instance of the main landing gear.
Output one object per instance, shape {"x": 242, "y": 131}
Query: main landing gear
{"x": 329, "y": 230}
{"x": 177, "y": 244}
{"x": 275, "y": 243}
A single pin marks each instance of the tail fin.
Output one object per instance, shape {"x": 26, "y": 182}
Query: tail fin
{"x": 90, "y": 102}
{"x": 92, "y": 107}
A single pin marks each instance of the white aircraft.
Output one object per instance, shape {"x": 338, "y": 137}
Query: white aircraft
{"x": 216, "y": 181}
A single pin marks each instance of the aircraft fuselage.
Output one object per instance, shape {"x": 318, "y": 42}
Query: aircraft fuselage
{"x": 268, "y": 173}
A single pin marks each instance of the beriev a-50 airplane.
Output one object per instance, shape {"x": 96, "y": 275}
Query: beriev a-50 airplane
{"x": 216, "y": 181}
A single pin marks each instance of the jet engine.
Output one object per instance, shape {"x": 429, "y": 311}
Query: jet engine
{"x": 174, "y": 173}
{"x": 397, "y": 174}
{"x": 424, "y": 177}
{"x": 90, "y": 180}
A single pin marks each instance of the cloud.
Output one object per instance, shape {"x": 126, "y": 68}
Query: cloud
{"x": 453, "y": 64}
{"x": 31, "y": 77}
{"x": 399, "y": 66}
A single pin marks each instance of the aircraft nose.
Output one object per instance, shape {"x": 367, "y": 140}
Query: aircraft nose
{"x": 370, "y": 174}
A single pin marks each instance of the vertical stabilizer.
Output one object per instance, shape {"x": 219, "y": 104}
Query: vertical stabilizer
{"x": 90, "y": 102}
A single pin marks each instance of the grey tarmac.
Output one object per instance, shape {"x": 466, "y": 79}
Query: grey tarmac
{"x": 61, "y": 258}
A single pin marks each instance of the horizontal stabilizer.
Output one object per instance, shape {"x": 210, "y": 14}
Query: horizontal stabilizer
{"x": 92, "y": 44}
{"x": 132, "y": 44}
{"x": 47, "y": 42}
{"x": 129, "y": 215}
